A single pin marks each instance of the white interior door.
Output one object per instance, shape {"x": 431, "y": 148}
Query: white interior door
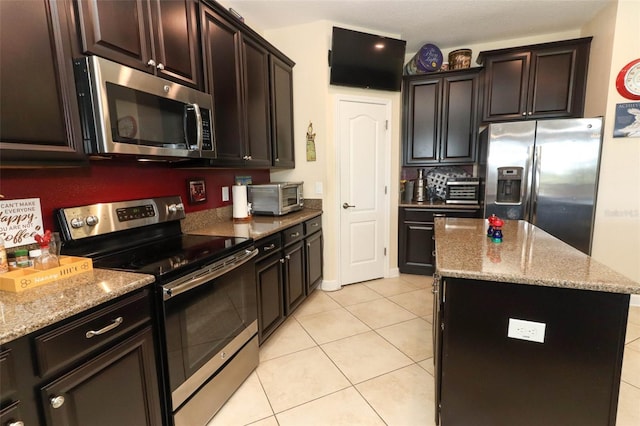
{"x": 363, "y": 165}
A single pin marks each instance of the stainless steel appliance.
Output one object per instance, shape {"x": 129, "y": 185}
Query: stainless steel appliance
{"x": 128, "y": 112}
{"x": 206, "y": 307}
{"x": 420, "y": 187}
{"x": 545, "y": 172}
{"x": 462, "y": 190}
{"x": 276, "y": 198}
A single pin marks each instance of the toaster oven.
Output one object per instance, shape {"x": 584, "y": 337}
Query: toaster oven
{"x": 462, "y": 190}
{"x": 276, "y": 198}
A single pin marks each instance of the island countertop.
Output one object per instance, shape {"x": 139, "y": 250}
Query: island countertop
{"x": 527, "y": 255}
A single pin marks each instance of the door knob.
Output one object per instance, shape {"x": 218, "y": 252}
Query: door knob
{"x": 346, "y": 205}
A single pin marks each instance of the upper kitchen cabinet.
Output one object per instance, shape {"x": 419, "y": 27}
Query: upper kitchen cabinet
{"x": 440, "y": 118}
{"x": 156, "y": 36}
{"x": 251, "y": 85}
{"x": 282, "y": 112}
{"x": 40, "y": 122}
{"x": 537, "y": 81}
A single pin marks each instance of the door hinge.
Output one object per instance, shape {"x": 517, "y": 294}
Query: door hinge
{"x": 385, "y": 251}
{"x": 385, "y": 190}
{"x": 386, "y": 124}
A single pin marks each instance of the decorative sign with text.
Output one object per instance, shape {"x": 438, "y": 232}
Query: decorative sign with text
{"x": 20, "y": 221}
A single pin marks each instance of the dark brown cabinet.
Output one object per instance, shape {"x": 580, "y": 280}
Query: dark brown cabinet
{"x": 40, "y": 122}
{"x": 282, "y": 112}
{"x": 237, "y": 70}
{"x": 416, "y": 240}
{"x": 270, "y": 279}
{"x": 288, "y": 268}
{"x": 440, "y": 118}
{"x": 537, "y": 81}
{"x": 96, "y": 368}
{"x": 157, "y": 36}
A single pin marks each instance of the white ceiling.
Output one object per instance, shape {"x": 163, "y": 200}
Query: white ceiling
{"x": 445, "y": 23}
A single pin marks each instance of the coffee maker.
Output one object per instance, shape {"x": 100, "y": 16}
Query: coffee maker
{"x": 420, "y": 187}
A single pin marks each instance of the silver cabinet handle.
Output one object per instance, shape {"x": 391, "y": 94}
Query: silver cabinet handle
{"x": 151, "y": 63}
{"x": 287, "y": 257}
{"x": 160, "y": 66}
{"x": 116, "y": 323}
{"x": 439, "y": 215}
{"x": 16, "y": 423}
{"x": 56, "y": 401}
{"x": 346, "y": 205}
{"x": 268, "y": 248}
{"x": 281, "y": 260}
{"x": 295, "y": 234}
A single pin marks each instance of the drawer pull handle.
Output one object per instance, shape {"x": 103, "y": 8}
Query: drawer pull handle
{"x": 116, "y": 322}
{"x": 57, "y": 401}
{"x": 315, "y": 224}
{"x": 270, "y": 247}
{"x": 288, "y": 257}
{"x": 295, "y": 234}
{"x": 439, "y": 215}
{"x": 17, "y": 423}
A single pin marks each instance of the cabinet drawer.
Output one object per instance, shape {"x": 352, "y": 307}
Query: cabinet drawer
{"x": 268, "y": 245}
{"x": 313, "y": 225}
{"x": 293, "y": 234}
{"x": 426, "y": 215}
{"x": 7, "y": 376}
{"x": 74, "y": 340}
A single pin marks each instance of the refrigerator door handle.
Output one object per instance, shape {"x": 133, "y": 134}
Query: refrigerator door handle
{"x": 535, "y": 185}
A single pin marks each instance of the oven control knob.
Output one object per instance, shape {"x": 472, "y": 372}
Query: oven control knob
{"x": 174, "y": 208}
{"x": 92, "y": 220}
{"x": 77, "y": 222}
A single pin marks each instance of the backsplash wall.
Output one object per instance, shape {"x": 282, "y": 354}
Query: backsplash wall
{"x": 113, "y": 180}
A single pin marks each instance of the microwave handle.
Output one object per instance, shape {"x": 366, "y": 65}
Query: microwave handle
{"x": 196, "y": 111}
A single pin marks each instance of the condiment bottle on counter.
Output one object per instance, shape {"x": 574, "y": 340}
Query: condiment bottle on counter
{"x": 491, "y": 220}
{"x": 4, "y": 264}
{"x": 497, "y": 230}
{"x": 22, "y": 258}
{"x": 46, "y": 260}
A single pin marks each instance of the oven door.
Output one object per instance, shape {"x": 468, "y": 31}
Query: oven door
{"x": 209, "y": 316}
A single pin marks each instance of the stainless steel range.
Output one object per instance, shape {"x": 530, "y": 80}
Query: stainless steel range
{"x": 205, "y": 293}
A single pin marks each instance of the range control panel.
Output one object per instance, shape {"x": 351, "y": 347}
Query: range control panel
{"x": 103, "y": 218}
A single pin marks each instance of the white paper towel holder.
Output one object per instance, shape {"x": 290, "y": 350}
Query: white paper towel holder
{"x": 241, "y": 208}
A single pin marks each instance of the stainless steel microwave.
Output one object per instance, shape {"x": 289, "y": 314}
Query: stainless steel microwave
{"x": 276, "y": 198}
{"x": 128, "y": 112}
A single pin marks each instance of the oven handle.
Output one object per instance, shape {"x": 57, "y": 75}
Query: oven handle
{"x": 218, "y": 269}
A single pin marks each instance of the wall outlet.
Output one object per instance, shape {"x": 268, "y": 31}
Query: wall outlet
{"x": 225, "y": 193}
{"x": 526, "y": 330}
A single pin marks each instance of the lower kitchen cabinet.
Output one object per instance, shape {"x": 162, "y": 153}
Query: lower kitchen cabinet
{"x": 288, "y": 269}
{"x": 97, "y": 368}
{"x": 416, "y": 251}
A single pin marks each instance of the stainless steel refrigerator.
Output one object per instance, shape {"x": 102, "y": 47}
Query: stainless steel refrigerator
{"x": 545, "y": 172}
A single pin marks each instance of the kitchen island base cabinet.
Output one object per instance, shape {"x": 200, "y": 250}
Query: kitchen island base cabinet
{"x": 487, "y": 378}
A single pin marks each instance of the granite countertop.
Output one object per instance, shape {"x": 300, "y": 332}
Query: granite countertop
{"x": 440, "y": 205}
{"x": 527, "y": 255}
{"x": 33, "y": 309}
{"x": 259, "y": 226}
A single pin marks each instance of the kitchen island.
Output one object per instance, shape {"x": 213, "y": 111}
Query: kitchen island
{"x": 529, "y": 331}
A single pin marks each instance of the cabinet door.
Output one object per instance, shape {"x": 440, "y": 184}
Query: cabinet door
{"x": 313, "y": 256}
{"x": 118, "y": 387}
{"x": 39, "y": 119}
{"x": 294, "y": 276}
{"x": 556, "y": 83}
{"x": 282, "y": 113}
{"x": 459, "y": 118}
{"x": 270, "y": 281}
{"x": 221, "y": 55}
{"x": 256, "y": 103}
{"x": 117, "y": 30}
{"x": 416, "y": 248}
{"x": 422, "y": 108}
{"x": 505, "y": 86}
{"x": 177, "y": 47}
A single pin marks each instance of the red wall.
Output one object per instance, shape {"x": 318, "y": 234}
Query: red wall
{"x": 114, "y": 180}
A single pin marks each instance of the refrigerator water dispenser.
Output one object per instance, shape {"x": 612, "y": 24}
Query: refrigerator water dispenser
{"x": 509, "y": 185}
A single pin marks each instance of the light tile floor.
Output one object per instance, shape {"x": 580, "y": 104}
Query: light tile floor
{"x": 363, "y": 355}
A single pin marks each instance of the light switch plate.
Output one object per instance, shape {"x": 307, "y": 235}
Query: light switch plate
{"x": 526, "y": 330}
{"x": 318, "y": 188}
{"x": 225, "y": 193}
